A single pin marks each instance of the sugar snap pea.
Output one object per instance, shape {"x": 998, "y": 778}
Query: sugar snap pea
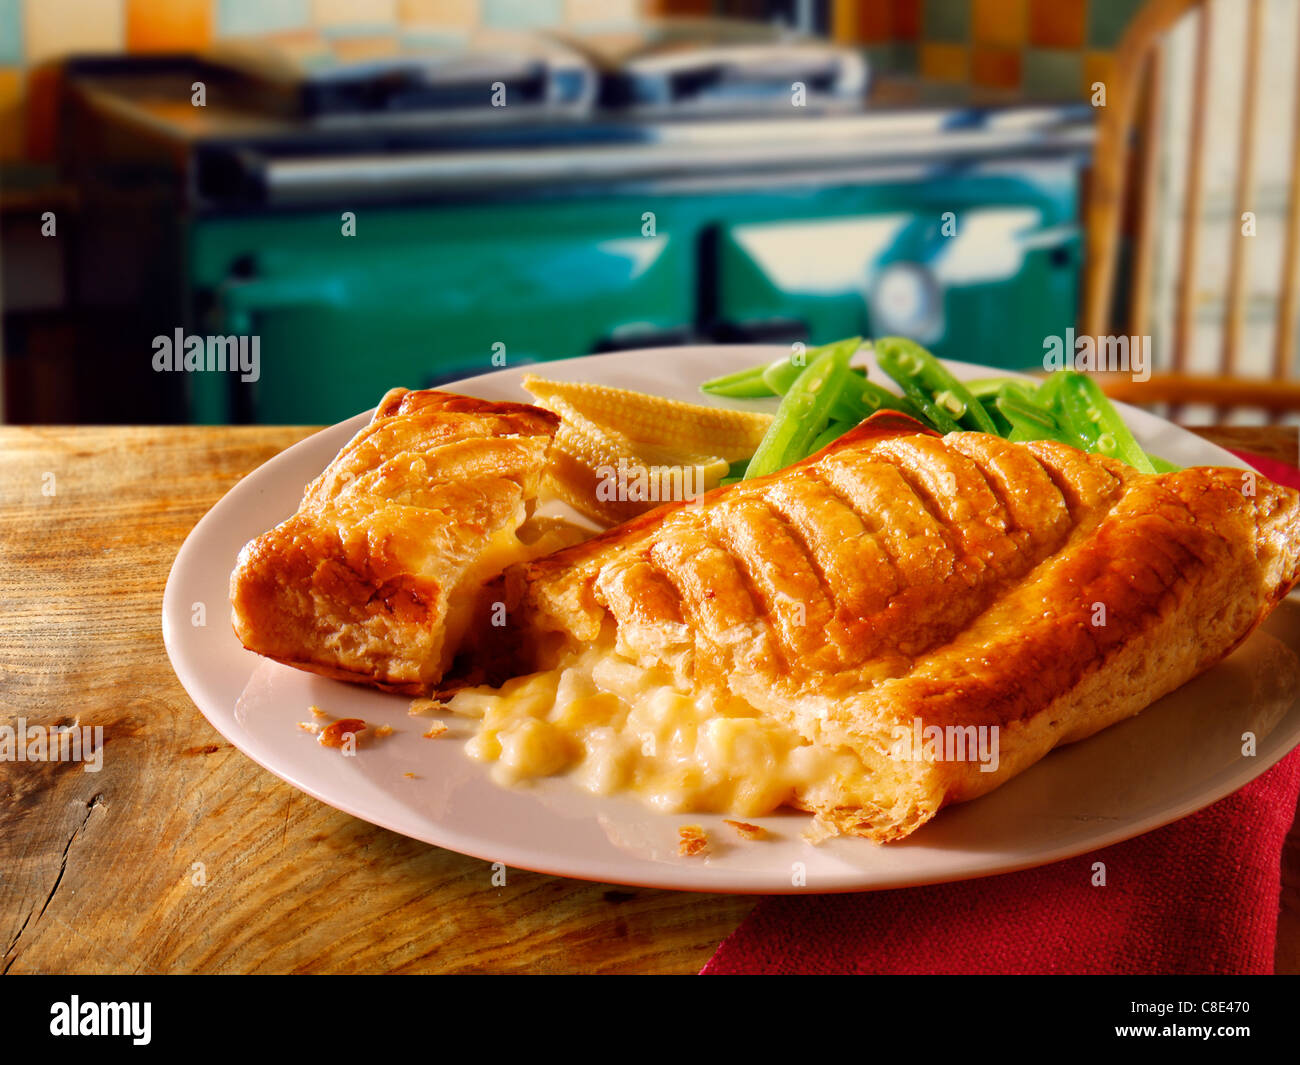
{"x": 1086, "y": 414}
{"x": 804, "y": 411}
{"x": 910, "y": 364}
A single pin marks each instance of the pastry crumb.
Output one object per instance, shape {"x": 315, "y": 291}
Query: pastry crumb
{"x": 316, "y": 711}
{"x": 435, "y": 730}
{"x": 336, "y": 734}
{"x": 383, "y": 730}
{"x": 747, "y": 831}
{"x": 693, "y": 841}
{"x": 309, "y": 726}
{"x": 425, "y": 706}
{"x": 819, "y": 831}
{"x": 410, "y": 776}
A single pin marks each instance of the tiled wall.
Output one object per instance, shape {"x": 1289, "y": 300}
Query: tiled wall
{"x": 32, "y": 31}
{"x": 1043, "y": 48}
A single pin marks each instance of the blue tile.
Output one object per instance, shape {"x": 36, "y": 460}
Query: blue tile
{"x": 11, "y": 31}
{"x": 242, "y": 17}
{"x": 522, "y": 14}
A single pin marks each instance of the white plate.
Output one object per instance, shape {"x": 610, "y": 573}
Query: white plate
{"x": 1179, "y": 755}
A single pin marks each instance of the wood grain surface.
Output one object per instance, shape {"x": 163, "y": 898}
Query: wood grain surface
{"x": 181, "y": 854}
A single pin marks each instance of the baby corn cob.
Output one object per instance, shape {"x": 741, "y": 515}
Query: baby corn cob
{"x": 581, "y": 460}
{"x": 572, "y": 477}
{"x": 584, "y": 453}
{"x": 685, "y": 428}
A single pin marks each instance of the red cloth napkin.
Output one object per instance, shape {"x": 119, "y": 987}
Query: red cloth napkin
{"x": 1197, "y": 896}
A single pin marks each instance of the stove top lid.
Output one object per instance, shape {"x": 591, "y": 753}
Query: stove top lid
{"x": 725, "y": 65}
{"x": 317, "y": 76}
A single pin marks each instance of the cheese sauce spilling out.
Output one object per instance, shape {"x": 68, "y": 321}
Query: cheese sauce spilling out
{"x": 614, "y": 726}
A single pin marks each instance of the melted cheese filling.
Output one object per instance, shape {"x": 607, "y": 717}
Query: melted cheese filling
{"x": 523, "y": 540}
{"x": 613, "y": 726}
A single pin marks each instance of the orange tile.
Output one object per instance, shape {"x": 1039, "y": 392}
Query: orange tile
{"x": 944, "y": 62}
{"x": 11, "y": 113}
{"x": 1004, "y": 23}
{"x": 906, "y": 19}
{"x": 1097, "y": 67}
{"x": 844, "y": 21}
{"x": 168, "y": 25}
{"x": 996, "y": 68}
{"x": 445, "y": 14}
{"x": 1057, "y": 23}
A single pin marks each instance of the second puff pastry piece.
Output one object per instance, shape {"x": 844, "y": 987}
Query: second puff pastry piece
{"x": 899, "y": 581}
{"x": 376, "y": 576}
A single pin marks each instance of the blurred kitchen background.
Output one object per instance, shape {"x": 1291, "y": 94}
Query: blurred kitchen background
{"x": 340, "y": 179}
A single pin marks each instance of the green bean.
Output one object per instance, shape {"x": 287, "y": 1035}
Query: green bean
{"x": 937, "y": 417}
{"x": 1029, "y": 421}
{"x": 781, "y": 374}
{"x": 847, "y": 408}
{"x": 831, "y": 433}
{"x": 909, "y": 363}
{"x": 862, "y": 398}
{"x": 999, "y": 419}
{"x": 804, "y": 411}
{"x": 743, "y": 384}
{"x": 987, "y": 388}
{"x": 1049, "y": 391}
{"x": 875, "y": 398}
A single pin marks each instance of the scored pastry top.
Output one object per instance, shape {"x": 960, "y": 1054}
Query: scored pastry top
{"x": 846, "y": 570}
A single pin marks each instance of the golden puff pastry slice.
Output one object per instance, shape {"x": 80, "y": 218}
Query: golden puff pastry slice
{"x": 900, "y": 585}
{"x": 375, "y": 578}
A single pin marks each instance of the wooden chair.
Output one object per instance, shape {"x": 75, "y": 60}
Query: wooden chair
{"x": 1125, "y": 185}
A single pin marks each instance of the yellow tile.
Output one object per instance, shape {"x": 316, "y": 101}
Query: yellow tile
{"x": 944, "y": 62}
{"x": 353, "y": 12}
{"x": 844, "y": 21}
{"x": 601, "y": 10}
{"x": 1000, "y": 22}
{"x": 59, "y": 27}
{"x": 1097, "y": 66}
{"x": 11, "y": 114}
{"x": 445, "y": 14}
